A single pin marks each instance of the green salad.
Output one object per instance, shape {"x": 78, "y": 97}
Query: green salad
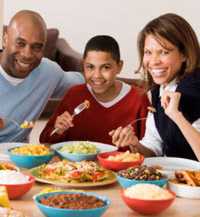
{"x": 80, "y": 148}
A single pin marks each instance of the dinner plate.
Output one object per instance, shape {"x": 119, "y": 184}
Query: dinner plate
{"x": 102, "y": 147}
{"x": 112, "y": 179}
{"x": 5, "y": 146}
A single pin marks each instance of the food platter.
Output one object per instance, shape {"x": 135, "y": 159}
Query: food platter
{"x": 102, "y": 147}
{"x": 51, "y": 174}
{"x": 78, "y": 185}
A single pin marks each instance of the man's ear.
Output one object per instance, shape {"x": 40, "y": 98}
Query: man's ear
{"x": 5, "y": 40}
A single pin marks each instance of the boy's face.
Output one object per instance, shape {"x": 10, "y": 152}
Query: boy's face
{"x": 100, "y": 71}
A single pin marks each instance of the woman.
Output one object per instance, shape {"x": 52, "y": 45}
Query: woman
{"x": 170, "y": 58}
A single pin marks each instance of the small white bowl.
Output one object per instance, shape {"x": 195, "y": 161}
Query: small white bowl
{"x": 185, "y": 191}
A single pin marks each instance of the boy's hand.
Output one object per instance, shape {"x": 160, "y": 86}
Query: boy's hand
{"x": 122, "y": 137}
{"x": 63, "y": 122}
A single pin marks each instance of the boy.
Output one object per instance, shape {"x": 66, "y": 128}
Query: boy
{"x": 112, "y": 102}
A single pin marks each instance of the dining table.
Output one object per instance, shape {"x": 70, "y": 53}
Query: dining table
{"x": 181, "y": 207}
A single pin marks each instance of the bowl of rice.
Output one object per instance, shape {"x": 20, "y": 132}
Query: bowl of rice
{"x": 147, "y": 199}
{"x": 16, "y": 183}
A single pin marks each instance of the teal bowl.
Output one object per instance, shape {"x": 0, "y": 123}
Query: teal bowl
{"x": 49, "y": 211}
{"x": 125, "y": 182}
{"x": 76, "y": 157}
{"x": 29, "y": 161}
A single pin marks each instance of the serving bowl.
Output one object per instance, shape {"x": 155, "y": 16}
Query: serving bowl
{"x": 115, "y": 165}
{"x": 185, "y": 191}
{"x": 100, "y": 148}
{"x": 141, "y": 174}
{"x": 50, "y": 211}
{"x": 29, "y": 161}
{"x": 148, "y": 206}
{"x": 125, "y": 183}
{"x": 18, "y": 190}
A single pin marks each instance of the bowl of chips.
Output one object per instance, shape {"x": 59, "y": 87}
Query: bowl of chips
{"x": 119, "y": 160}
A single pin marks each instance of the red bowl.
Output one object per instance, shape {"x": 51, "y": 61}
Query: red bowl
{"x": 18, "y": 190}
{"x": 147, "y": 207}
{"x": 117, "y": 165}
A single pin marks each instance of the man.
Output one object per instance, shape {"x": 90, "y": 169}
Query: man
{"x": 27, "y": 80}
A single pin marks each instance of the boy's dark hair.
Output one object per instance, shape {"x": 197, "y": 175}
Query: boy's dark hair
{"x": 103, "y": 43}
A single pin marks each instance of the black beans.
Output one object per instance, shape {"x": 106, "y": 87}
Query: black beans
{"x": 141, "y": 173}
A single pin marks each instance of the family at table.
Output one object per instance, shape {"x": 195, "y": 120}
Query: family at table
{"x": 167, "y": 122}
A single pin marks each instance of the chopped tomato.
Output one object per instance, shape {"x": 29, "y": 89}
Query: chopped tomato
{"x": 97, "y": 176}
{"x": 76, "y": 174}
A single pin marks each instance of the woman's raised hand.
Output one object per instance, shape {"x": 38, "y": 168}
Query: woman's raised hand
{"x": 170, "y": 102}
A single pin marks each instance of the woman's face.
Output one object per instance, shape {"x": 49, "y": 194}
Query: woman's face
{"x": 161, "y": 59}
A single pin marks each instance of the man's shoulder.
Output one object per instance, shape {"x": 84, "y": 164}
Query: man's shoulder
{"x": 50, "y": 66}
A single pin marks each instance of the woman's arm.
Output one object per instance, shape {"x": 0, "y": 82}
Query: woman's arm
{"x": 170, "y": 102}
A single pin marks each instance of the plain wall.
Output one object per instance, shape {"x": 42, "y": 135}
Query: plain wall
{"x": 79, "y": 20}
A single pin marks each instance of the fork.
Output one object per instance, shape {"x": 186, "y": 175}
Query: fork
{"x": 150, "y": 109}
{"x": 78, "y": 109}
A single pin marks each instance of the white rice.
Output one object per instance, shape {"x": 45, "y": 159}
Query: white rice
{"x": 12, "y": 177}
{"x": 147, "y": 192}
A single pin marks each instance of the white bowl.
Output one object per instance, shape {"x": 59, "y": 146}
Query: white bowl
{"x": 170, "y": 164}
{"x": 186, "y": 191}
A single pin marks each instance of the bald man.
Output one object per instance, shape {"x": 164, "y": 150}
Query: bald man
{"x": 27, "y": 79}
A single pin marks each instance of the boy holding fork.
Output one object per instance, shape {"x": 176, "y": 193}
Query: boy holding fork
{"x": 112, "y": 102}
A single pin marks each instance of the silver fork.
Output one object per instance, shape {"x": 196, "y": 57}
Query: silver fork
{"x": 150, "y": 109}
{"x": 78, "y": 109}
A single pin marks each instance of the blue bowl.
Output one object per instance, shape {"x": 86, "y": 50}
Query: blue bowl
{"x": 59, "y": 212}
{"x": 125, "y": 183}
{"x": 29, "y": 161}
{"x": 77, "y": 157}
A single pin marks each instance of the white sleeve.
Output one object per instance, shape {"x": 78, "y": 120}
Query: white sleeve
{"x": 152, "y": 139}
